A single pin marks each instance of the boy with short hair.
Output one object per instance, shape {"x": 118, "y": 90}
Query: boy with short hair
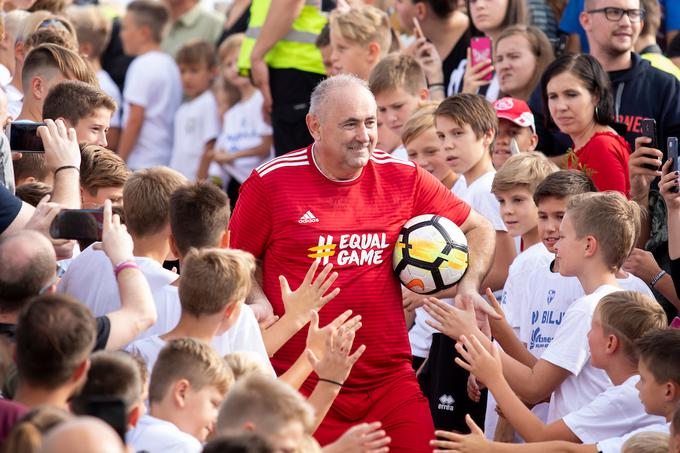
{"x": 197, "y": 122}
{"x": 399, "y": 85}
{"x": 360, "y": 38}
{"x": 151, "y": 96}
{"x": 102, "y": 176}
{"x": 515, "y": 123}
{"x": 112, "y": 374}
{"x": 44, "y": 67}
{"x": 467, "y": 126}
{"x": 83, "y": 107}
{"x": 94, "y": 33}
{"x": 187, "y": 386}
{"x": 596, "y": 234}
{"x": 323, "y": 43}
{"x": 619, "y": 320}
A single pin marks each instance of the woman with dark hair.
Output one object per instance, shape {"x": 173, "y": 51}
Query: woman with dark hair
{"x": 577, "y": 98}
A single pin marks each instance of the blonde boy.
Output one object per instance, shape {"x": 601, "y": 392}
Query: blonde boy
{"x": 596, "y": 234}
{"x": 187, "y": 386}
{"x": 360, "y": 37}
{"x": 399, "y": 85}
{"x": 514, "y": 186}
{"x": 102, "y": 176}
{"x": 214, "y": 285}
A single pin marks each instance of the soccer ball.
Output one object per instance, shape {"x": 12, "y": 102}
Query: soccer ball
{"x": 430, "y": 255}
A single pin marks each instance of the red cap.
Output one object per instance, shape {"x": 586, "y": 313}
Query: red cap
{"x": 515, "y": 110}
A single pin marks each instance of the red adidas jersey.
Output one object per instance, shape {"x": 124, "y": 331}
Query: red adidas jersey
{"x": 289, "y": 214}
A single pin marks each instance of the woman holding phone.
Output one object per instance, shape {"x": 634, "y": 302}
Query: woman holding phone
{"x": 488, "y": 18}
{"x": 577, "y": 96}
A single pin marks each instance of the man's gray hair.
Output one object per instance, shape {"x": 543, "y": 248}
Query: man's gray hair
{"x": 319, "y": 99}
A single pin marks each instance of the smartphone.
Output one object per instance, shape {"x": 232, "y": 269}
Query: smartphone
{"x": 78, "y": 224}
{"x": 480, "y": 51}
{"x": 417, "y": 30}
{"x": 24, "y": 138}
{"x": 110, "y": 410}
{"x": 648, "y": 129}
{"x": 673, "y": 154}
{"x": 328, "y": 5}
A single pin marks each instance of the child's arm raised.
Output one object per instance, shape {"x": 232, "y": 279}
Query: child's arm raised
{"x": 487, "y": 368}
{"x": 130, "y": 134}
{"x": 475, "y": 442}
{"x": 299, "y": 304}
{"x": 262, "y": 150}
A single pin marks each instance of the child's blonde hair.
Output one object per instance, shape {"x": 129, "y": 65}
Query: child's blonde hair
{"x": 229, "y": 45}
{"x": 92, "y": 27}
{"x": 245, "y": 363}
{"x": 629, "y": 315}
{"x": 525, "y": 170}
{"x": 363, "y": 25}
{"x": 397, "y": 71}
{"x": 213, "y": 278}
{"x": 190, "y": 359}
{"x": 420, "y": 121}
{"x": 647, "y": 442}
{"x": 611, "y": 219}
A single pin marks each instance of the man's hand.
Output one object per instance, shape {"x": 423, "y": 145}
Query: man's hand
{"x": 362, "y": 438}
{"x": 474, "y": 390}
{"x": 259, "y": 74}
{"x": 477, "y": 360}
{"x": 642, "y": 264}
{"x": 317, "y": 337}
{"x": 641, "y": 177}
{"x": 426, "y": 54}
{"x": 336, "y": 362}
{"x": 309, "y": 295}
{"x": 412, "y": 300}
{"x": 451, "y": 321}
{"x": 61, "y": 145}
{"x": 116, "y": 241}
{"x": 41, "y": 220}
{"x": 475, "y": 442}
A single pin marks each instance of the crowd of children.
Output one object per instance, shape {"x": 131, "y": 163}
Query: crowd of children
{"x": 547, "y": 124}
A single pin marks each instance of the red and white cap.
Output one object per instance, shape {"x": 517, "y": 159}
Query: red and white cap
{"x": 515, "y": 110}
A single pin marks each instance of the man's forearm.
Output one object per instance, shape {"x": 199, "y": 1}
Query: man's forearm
{"x": 66, "y": 190}
{"x": 481, "y": 247}
{"x": 280, "y": 18}
{"x": 258, "y": 302}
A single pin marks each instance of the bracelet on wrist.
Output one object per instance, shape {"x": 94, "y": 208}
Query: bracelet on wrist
{"x": 66, "y": 167}
{"x": 437, "y": 84}
{"x": 657, "y": 277}
{"x": 330, "y": 381}
{"x": 127, "y": 264}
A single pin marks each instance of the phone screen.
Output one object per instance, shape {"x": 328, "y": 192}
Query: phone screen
{"x": 110, "y": 410}
{"x": 23, "y": 137}
{"x": 78, "y": 224}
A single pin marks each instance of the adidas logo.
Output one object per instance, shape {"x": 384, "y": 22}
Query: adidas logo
{"x": 446, "y": 403}
{"x": 308, "y": 217}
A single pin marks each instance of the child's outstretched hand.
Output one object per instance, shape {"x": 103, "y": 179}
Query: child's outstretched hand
{"x": 451, "y": 321}
{"x": 317, "y": 337}
{"x": 337, "y": 362}
{"x": 478, "y": 361}
{"x": 311, "y": 294}
{"x": 362, "y": 438}
{"x": 475, "y": 442}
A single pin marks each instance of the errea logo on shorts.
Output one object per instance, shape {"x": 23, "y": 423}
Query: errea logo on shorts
{"x": 308, "y": 217}
{"x": 446, "y": 403}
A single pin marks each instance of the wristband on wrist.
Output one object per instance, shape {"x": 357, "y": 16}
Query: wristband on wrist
{"x": 433, "y": 85}
{"x": 66, "y": 167}
{"x": 657, "y": 277}
{"x": 330, "y": 381}
{"x": 127, "y": 264}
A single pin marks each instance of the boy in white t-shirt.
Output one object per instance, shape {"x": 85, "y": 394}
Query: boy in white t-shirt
{"x": 153, "y": 89}
{"x": 596, "y": 234}
{"x": 196, "y": 122}
{"x": 467, "y": 126}
{"x": 620, "y": 319}
{"x": 94, "y": 32}
{"x": 399, "y": 86}
{"x": 658, "y": 390}
{"x": 246, "y": 140}
{"x": 187, "y": 386}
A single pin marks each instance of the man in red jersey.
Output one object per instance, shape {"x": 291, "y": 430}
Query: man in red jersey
{"x": 340, "y": 201}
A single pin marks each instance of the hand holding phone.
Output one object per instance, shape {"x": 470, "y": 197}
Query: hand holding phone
{"x": 673, "y": 154}
{"x": 648, "y": 129}
{"x": 24, "y": 138}
{"x": 78, "y": 224}
{"x": 480, "y": 51}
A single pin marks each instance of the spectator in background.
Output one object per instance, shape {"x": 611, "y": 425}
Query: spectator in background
{"x": 27, "y": 434}
{"x": 83, "y": 434}
{"x": 12, "y": 21}
{"x": 151, "y": 96}
{"x": 94, "y": 33}
{"x": 102, "y": 176}
{"x": 189, "y": 20}
{"x": 646, "y": 44}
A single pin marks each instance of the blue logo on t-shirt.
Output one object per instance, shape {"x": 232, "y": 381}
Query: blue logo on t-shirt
{"x": 538, "y": 340}
{"x": 551, "y": 296}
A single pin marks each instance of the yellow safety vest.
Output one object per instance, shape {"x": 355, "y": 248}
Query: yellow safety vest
{"x": 296, "y": 50}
